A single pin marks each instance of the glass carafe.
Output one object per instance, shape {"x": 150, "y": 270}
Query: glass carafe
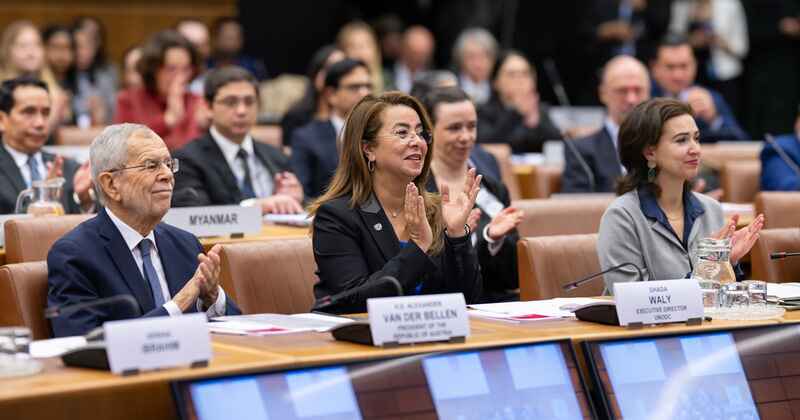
{"x": 43, "y": 198}
{"x": 712, "y": 268}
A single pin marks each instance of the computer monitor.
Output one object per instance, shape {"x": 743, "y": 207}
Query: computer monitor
{"x": 747, "y": 373}
{"x": 531, "y": 381}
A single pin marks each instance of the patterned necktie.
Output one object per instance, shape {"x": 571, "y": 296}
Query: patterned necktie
{"x": 150, "y": 273}
{"x": 247, "y": 182}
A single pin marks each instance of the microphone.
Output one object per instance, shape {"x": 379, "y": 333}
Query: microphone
{"x": 56, "y": 311}
{"x": 582, "y": 163}
{"x": 782, "y": 255}
{"x": 782, "y": 154}
{"x": 332, "y": 300}
{"x": 576, "y": 284}
{"x": 555, "y": 79}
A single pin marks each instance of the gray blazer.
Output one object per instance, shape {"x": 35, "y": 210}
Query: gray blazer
{"x": 627, "y": 235}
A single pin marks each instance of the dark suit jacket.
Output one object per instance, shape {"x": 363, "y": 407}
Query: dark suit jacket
{"x": 12, "y": 183}
{"x": 776, "y": 174}
{"x": 93, "y": 261}
{"x": 485, "y": 163}
{"x": 205, "y": 177}
{"x": 499, "y": 272}
{"x": 314, "y": 156}
{"x": 499, "y": 124}
{"x": 355, "y": 247}
{"x": 600, "y": 155}
{"x": 729, "y": 130}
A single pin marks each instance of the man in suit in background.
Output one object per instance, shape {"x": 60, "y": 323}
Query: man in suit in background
{"x": 228, "y": 166}
{"x": 24, "y": 111}
{"x": 125, "y": 249}
{"x": 674, "y": 69}
{"x": 314, "y": 151}
{"x": 781, "y": 171}
{"x": 624, "y": 85}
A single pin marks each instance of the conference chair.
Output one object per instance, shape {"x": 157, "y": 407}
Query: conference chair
{"x": 545, "y": 217}
{"x": 23, "y": 297}
{"x": 547, "y": 263}
{"x": 30, "y": 239}
{"x": 780, "y": 209}
{"x": 502, "y": 153}
{"x": 717, "y": 154}
{"x": 776, "y": 240}
{"x": 740, "y": 181}
{"x": 271, "y": 276}
{"x": 540, "y": 181}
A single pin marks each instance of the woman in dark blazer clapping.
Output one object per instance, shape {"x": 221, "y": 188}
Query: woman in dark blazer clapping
{"x": 376, "y": 219}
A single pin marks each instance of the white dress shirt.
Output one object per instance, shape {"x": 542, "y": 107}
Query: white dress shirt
{"x": 403, "y": 80}
{"x": 21, "y": 159}
{"x": 263, "y": 184}
{"x": 132, "y": 239}
{"x": 479, "y": 92}
{"x": 613, "y": 131}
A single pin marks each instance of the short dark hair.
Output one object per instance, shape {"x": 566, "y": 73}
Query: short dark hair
{"x": 338, "y": 70}
{"x": 53, "y": 30}
{"x": 8, "y": 87}
{"x": 221, "y": 76}
{"x": 505, "y": 55}
{"x": 443, "y": 95}
{"x": 671, "y": 40}
{"x": 153, "y": 53}
{"x": 640, "y": 129}
{"x": 222, "y": 21}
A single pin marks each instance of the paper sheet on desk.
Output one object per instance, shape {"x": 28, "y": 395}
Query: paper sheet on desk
{"x": 55, "y": 347}
{"x": 260, "y": 324}
{"x": 531, "y": 310}
{"x": 784, "y": 290}
{"x": 301, "y": 219}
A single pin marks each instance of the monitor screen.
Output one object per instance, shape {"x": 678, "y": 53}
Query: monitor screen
{"x": 739, "y": 374}
{"x": 533, "y": 381}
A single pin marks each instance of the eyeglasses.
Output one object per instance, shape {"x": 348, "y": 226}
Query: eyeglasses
{"x": 355, "y": 87}
{"x": 153, "y": 165}
{"x": 234, "y": 101}
{"x": 407, "y": 135}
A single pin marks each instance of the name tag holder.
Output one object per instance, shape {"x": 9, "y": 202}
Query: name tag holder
{"x": 640, "y": 304}
{"x": 209, "y": 221}
{"x": 397, "y": 321}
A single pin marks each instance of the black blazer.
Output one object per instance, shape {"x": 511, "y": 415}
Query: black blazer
{"x": 600, "y": 155}
{"x": 499, "y": 272}
{"x": 206, "y": 179}
{"x": 314, "y": 156}
{"x": 12, "y": 183}
{"x": 354, "y": 247}
{"x": 500, "y": 124}
{"x": 485, "y": 163}
{"x": 93, "y": 261}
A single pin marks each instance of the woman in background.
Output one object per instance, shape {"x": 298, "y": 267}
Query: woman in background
{"x": 358, "y": 40}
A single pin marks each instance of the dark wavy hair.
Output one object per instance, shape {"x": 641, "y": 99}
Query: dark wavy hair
{"x": 640, "y": 129}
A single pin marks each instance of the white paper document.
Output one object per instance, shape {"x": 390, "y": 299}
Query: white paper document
{"x": 266, "y": 324}
{"x": 302, "y": 219}
{"x": 783, "y": 290}
{"x": 55, "y": 347}
{"x": 531, "y": 310}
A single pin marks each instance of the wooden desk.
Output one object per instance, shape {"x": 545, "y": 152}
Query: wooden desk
{"x": 268, "y": 232}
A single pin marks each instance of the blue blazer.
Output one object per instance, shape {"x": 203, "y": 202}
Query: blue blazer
{"x": 93, "y": 261}
{"x": 728, "y": 130}
{"x": 776, "y": 174}
{"x": 599, "y": 153}
{"x": 485, "y": 163}
{"x": 314, "y": 156}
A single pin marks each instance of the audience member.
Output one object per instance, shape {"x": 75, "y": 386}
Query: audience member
{"x": 656, "y": 222}
{"x": 780, "y": 169}
{"x": 514, "y": 114}
{"x": 674, "y": 69}
{"x": 415, "y": 57}
{"x": 228, "y": 42}
{"x": 25, "y": 105}
{"x": 495, "y": 239}
{"x": 164, "y": 104}
{"x": 377, "y": 219}
{"x": 125, "y": 249}
{"x": 311, "y": 106}
{"x": 624, "y": 84}
{"x": 717, "y": 30}
{"x": 59, "y": 51}
{"x": 131, "y": 78}
{"x": 314, "y": 147}
{"x": 226, "y": 165}
{"x": 389, "y": 31}
{"x": 96, "y": 80}
{"x": 358, "y": 41}
{"x": 474, "y": 55}
{"x": 196, "y": 32}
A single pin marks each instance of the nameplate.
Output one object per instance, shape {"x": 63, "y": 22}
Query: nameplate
{"x": 658, "y": 302}
{"x": 3, "y": 219}
{"x": 216, "y": 220}
{"x": 141, "y": 344}
{"x": 418, "y": 319}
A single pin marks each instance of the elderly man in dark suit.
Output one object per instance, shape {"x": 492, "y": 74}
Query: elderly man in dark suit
{"x": 624, "y": 85}
{"x": 227, "y": 165}
{"x": 125, "y": 249}
{"x": 24, "y": 111}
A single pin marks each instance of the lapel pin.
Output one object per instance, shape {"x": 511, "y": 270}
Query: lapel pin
{"x": 378, "y": 227}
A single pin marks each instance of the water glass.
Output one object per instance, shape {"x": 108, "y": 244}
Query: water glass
{"x": 710, "y": 291}
{"x": 735, "y": 296}
{"x": 757, "y": 289}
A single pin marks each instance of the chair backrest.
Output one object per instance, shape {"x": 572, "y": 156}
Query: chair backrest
{"x": 740, "y": 180}
{"x": 545, "y": 180}
{"x": 547, "y": 263}
{"x": 30, "y": 239}
{"x": 776, "y": 240}
{"x": 270, "y": 277}
{"x": 502, "y": 152}
{"x": 23, "y": 297}
{"x": 544, "y": 217}
{"x": 780, "y": 209}
{"x": 717, "y": 154}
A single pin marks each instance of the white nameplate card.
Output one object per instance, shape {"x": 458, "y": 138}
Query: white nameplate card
{"x": 216, "y": 220}
{"x": 658, "y": 302}
{"x": 140, "y": 344}
{"x": 3, "y": 219}
{"x": 418, "y": 319}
